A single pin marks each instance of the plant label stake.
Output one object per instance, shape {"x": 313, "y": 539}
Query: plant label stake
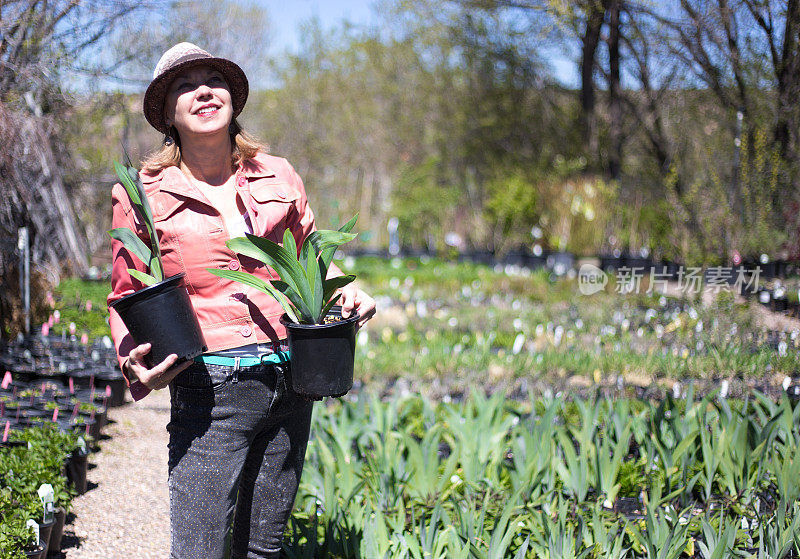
{"x": 2, "y": 409}
{"x": 71, "y": 386}
{"x": 75, "y": 412}
{"x": 108, "y": 390}
{"x": 55, "y": 415}
{"x": 6, "y": 380}
{"x": 6, "y": 430}
{"x": 47, "y": 496}
{"x": 91, "y": 383}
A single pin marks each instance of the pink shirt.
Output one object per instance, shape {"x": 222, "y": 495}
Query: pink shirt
{"x": 192, "y": 236}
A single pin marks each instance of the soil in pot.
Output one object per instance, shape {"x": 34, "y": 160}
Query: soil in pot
{"x": 322, "y": 355}
{"x": 38, "y": 552}
{"x": 162, "y": 315}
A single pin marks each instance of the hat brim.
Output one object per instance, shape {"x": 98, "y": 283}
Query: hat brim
{"x": 153, "y": 104}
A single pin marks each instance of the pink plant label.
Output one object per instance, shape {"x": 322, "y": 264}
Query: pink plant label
{"x": 6, "y": 430}
{"x": 55, "y": 415}
{"x": 71, "y": 386}
{"x": 45, "y": 329}
{"x": 108, "y": 391}
{"x": 75, "y": 411}
{"x": 6, "y": 380}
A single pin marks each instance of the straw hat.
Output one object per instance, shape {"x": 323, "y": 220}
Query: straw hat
{"x": 178, "y": 58}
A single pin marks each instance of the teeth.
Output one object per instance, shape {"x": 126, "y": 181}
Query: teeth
{"x": 206, "y": 110}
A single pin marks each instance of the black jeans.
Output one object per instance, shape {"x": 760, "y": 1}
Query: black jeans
{"x": 237, "y": 441}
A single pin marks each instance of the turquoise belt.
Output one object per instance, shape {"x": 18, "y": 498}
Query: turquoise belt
{"x": 266, "y": 359}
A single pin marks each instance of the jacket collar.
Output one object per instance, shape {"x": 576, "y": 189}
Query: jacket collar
{"x": 171, "y": 179}
{"x": 253, "y": 168}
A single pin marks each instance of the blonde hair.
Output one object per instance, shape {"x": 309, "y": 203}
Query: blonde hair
{"x": 244, "y": 147}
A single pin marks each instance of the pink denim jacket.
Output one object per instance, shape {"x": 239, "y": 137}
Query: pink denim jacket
{"x": 192, "y": 236}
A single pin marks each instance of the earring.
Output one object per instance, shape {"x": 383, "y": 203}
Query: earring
{"x": 169, "y": 139}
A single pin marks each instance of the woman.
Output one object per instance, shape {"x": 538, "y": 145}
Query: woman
{"x": 237, "y": 434}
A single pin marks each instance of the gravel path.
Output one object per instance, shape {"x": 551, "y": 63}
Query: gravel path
{"x": 125, "y": 512}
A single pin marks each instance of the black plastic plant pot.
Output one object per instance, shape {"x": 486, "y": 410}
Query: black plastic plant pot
{"x": 162, "y": 315}
{"x": 322, "y": 355}
{"x": 76, "y": 466}
{"x": 57, "y": 533}
{"x": 45, "y": 530}
{"x": 116, "y": 381}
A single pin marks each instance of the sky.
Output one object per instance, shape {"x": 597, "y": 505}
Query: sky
{"x": 287, "y": 15}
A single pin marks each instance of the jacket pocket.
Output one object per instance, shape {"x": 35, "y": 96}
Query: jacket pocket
{"x": 272, "y": 205}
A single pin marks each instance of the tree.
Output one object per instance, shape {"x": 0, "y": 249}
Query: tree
{"x": 44, "y": 41}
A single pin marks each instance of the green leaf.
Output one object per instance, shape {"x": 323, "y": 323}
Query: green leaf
{"x": 289, "y": 242}
{"x": 306, "y": 248}
{"x": 315, "y": 281}
{"x": 523, "y": 549}
{"x": 326, "y": 256}
{"x": 324, "y": 240}
{"x": 285, "y": 264}
{"x": 257, "y": 283}
{"x": 133, "y": 243}
{"x": 290, "y": 293}
{"x": 143, "y": 277}
{"x": 327, "y": 307}
{"x": 129, "y": 179}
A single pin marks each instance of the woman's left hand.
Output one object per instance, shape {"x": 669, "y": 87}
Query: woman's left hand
{"x": 354, "y": 300}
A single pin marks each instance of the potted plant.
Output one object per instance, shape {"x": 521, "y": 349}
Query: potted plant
{"x": 160, "y": 314}
{"x": 321, "y": 342}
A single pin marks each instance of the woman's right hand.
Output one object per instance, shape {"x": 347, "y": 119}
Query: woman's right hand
{"x": 156, "y": 378}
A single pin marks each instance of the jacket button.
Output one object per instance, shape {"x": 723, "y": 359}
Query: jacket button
{"x": 241, "y": 180}
{"x": 281, "y": 195}
{"x": 233, "y": 265}
{"x": 246, "y": 331}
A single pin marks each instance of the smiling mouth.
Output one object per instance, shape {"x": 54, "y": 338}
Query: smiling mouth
{"x": 205, "y": 111}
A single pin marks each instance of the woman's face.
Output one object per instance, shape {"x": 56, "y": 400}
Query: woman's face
{"x": 198, "y": 102}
